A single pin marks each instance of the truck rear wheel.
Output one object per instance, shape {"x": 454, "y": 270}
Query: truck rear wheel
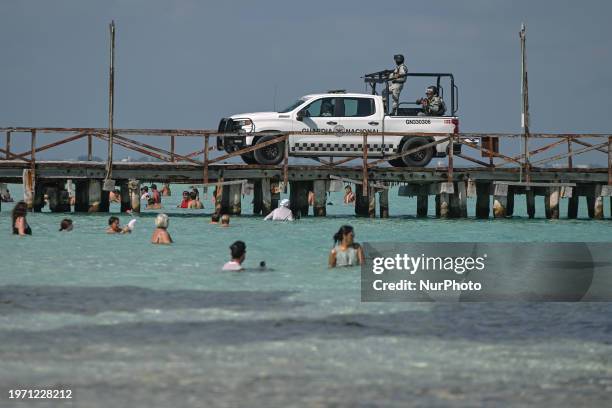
{"x": 419, "y": 158}
{"x": 271, "y": 154}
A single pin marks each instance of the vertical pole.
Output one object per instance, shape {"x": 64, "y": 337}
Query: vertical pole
{"x": 111, "y": 104}
{"x": 525, "y": 106}
{"x": 570, "y": 159}
{"x": 320, "y": 197}
{"x": 89, "y": 148}
{"x": 365, "y": 165}
{"x": 206, "y": 159}
{"x": 383, "y": 202}
{"x": 8, "y": 145}
{"x": 286, "y": 164}
{"x": 422, "y": 201}
{"x": 32, "y": 168}
{"x": 483, "y": 191}
{"x": 172, "y": 158}
{"x": 610, "y": 160}
{"x": 450, "y": 159}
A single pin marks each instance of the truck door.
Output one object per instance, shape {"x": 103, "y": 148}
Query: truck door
{"x": 319, "y": 117}
{"x": 357, "y": 115}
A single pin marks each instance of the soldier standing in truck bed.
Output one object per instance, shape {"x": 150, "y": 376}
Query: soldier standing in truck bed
{"x": 397, "y": 79}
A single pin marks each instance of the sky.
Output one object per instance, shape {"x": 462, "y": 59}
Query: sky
{"x": 187, "y": 63}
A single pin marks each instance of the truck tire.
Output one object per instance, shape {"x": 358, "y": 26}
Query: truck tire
{"x": 272, "y": 154}
{"x": 397, "y": 162}
{"x": 420, "y": 158}
{"x": 248, "y": 158}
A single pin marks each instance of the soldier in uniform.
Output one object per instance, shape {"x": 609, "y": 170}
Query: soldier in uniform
{"x": 432, "y": 105}
{"x": 397, "y": 79}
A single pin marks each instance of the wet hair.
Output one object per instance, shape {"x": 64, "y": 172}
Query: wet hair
{"x": 19, "y": 210}
{"x": 145, "y": 188}
{"x": 238, "y": 249}
{"x": 225, "y": 219}
{"x": 185, "y": 193}
{"x": 161, "y": 221}
{"x": 345, "y": 229}
{"x": 153, "y": 186}
{"x": 193, "y": 195}
{"x": 348, "y": 186}
{"x": 65, "y": 224}
{"x": 112, "y": 219}
{"x": 215, "y": 217}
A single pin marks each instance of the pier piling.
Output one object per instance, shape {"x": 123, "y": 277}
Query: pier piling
{"x": 320, "y": 198}
{"x": 257, "y": 197}
{"x": 572, "y": 205}
{"x": 598, "y": 208}
{"x": 133, "y": 187}
{"x": 530, "y": 199}
{"x": 126, "y": 204}
{"x": 235, "y": 199}
{"x": 422, "y": 201}
{"x": 383, "y": 203}
{"x": 266, "y": 197}
{"x": 482, "y": 200}
{"x": 298, "y": 198}
{"x": 552, "y": 200}
{"x": 500, "y": 200}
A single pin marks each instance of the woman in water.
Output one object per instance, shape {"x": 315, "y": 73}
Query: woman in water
{"x": 66, "y": 225}
{"x": 20, "y": 224}
{"x": 161, "y": 235}
{"x": 346, "y": 251}
{"x": 349, "y": 196}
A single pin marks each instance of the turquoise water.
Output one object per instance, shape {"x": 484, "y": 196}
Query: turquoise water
{"x": 125, "y": 323}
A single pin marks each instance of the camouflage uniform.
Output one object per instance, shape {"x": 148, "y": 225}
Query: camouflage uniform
{"x": 396, "y": 86}
{"x": 435, "y": 107}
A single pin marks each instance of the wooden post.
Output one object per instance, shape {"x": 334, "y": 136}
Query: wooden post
{"x": 371, "y": 203}
{"x": 530, "y": 198}
{"x": 285, "y": 166}
{"x": 320, "y": 198}
{"x": 89, "y": 147}
{"x": 437, "y": 205}
{"x": 222, "y": 203}
{"x": 53, "y": 197}
{"x": 172, "y": 158}
{"x": 126, "y": 203}
{"x": 598, "y": 208}
{"x": 257, "y": 197}
{"x": 8, "y": 145}
{"x": 39, "y": 197}
{"x": 422, "y": 201}
{"x": 361, "y": 203}
{"x": 482, "y": 200}
{"x": 552, "y": 197}
{"x": 28, "y": 188}
{"x": 206, "y": 141}
{"x": 383, "y": 202}
{"x": 510, "y": 202}
{"x": 266, "y": 197}
{"x": 134, "y": 195}
{"x": 570, "y": 160}
{"x": 81, "y": 196}
{"x": 298, "y": 198}
{"x": 235, "y": 199}
{"x": 365, "y": 189}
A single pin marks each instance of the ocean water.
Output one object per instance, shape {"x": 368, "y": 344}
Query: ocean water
{"x": 122, "y": 322}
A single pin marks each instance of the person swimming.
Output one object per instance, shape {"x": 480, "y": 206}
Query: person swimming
{"x": 115, "y": 228}
{"x": 161, "y": 235}
{"x": 66, "y": 225}
{"x": 214, "y": 219}
{"x": 346, "y": 251}
{"x": 238, "y": 255}
{"x": 225, "y": 220}
{"x": 19, "y": 222}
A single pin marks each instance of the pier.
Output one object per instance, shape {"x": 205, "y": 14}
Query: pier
{"x": 494, "y": 179}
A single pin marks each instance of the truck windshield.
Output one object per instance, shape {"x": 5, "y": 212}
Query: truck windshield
{"x": 293, "y": 106}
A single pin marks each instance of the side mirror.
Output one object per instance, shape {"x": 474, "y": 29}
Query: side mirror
{"x": 300, "y": 116}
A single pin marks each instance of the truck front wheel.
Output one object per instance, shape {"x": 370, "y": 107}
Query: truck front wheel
{"x": 271, "y": 154}
{"x": 420, "y": 158}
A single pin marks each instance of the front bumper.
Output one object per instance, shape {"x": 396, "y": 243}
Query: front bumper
{"x": 230, "y": 143}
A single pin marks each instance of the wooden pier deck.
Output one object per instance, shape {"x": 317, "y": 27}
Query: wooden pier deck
{"x": 491, "y": 173}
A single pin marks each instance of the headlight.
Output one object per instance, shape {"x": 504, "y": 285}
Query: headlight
{"x": 244, "y": 124}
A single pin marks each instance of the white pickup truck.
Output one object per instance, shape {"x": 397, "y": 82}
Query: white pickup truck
{"x": 338, "y": 118}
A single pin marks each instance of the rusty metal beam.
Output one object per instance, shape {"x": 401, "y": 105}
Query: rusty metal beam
{"x": 416, "y": 149}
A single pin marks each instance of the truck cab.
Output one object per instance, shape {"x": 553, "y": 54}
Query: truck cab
{"x": 332, "y": 124}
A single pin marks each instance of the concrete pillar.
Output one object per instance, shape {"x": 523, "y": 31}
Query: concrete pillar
{"x": 500, "y": 200}
{"x": 28, "y": 188}
{"x": 298, "y": 198}
{"x": 422, "y": 201}
{"x": 365, "y": 206}
{"x": 530, "y": 198}
{"x": 383, "y": 202}
{"x": 598, "y": 208}
{"x": 320, "y": 198}
{"x": 98, "y": 199}
{"x": 52, "y": 192}
{"x": 257, "y": 197}
{"x": 572, "y": 206}
{"x": 81, "y": 196}
{"x": 235, "y": 199}
{"x": 510, "y": 202}
{"x": 266, "y": 197}
{"x": 462, "y": 197}
{"x": 126, "y": 204}
{"x": 482, "y": 200}
{"x": 552, "y": 199}
{"x": 133, "y": 187}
